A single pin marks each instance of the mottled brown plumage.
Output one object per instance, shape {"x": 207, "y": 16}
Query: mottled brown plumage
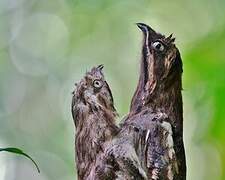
{"x": 159, "y": 93}
{"x": 94, "y": 117}
{"x": 102, "y": 152}
{"x": 150, "y": 140}
{"x": 149, "y": 143}
{"x": 119, "y": 161}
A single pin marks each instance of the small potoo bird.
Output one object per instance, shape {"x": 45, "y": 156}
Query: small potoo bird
{"x": 156, "y": 111}
{"x": 94, "y": 117}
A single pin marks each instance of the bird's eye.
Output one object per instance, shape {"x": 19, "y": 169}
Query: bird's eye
{"x": 97, "y": 83}
{"x": 158, "y": 46}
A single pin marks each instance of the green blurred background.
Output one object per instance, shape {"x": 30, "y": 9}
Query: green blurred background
{"x": 47, "y": 45}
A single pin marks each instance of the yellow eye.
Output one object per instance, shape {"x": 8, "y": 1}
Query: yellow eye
{"x": 158, "y": 46}
{"x": 97, "y": 83}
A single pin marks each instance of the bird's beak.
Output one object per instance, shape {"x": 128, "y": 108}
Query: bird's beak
{"x": 143, "y": 27}
{"x": 149, "y": 35}
{"x": 147, "y": 30}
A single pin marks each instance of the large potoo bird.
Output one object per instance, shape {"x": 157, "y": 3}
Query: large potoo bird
{"x": 156, "y": 108}
{"x": 93, "y": 113}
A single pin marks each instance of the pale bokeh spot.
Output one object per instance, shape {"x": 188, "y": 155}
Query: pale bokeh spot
{"x": 40, "y": 44}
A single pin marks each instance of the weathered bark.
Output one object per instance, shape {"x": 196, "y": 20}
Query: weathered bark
{"x": 149, "y": 142}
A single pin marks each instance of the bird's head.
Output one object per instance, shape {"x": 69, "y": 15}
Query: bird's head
{"x": 161, "y": 68}
{"x": 161, "y": 58}
{"x": 93, "y": 94}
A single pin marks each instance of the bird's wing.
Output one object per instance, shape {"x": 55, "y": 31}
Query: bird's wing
{"x": 154, "y": 145}
{"x": 78, "y": 109}
{"x": 119, "y": 161}
{"x": 73, "y": 107}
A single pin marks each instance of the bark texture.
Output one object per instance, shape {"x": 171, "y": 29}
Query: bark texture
{"x": 149, "y": 142}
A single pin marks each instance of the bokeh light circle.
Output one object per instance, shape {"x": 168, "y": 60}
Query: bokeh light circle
{"x": 40, "y": 44}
